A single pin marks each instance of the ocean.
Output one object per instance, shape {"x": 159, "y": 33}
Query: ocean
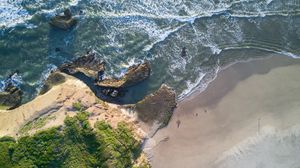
{"x": 210, "y": 33}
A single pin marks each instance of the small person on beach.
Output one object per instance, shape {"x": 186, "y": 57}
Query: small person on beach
{"x": 178, "y": 122}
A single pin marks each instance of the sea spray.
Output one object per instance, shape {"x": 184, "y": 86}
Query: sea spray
{"x": 15, "y": 79}
{"x": 49, "y": 69}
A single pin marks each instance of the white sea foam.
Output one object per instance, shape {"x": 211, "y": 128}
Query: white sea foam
{"x": 15, "y": 80}
{"x": 2, "y": 86}
{"x": 192, "y": 85}
{"x": 289, "y": 54}
{"x": 161, "y": 37}
{"x": 74, "y": 2}
{"x": 215, "y": 49}
{"x": 12, "y": 13}
{"x": 270, "y": 148}
{"x": 45, "y": 74}
{"x": 150, "y": 17}
{"x": 265, "y": 48}
{"x": 124, "y": 67}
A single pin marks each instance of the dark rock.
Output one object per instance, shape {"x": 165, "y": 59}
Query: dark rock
{"x": 67, "y": 13}
{"x": 100, "y": 75}
{"x": 110, "y": 92}
{"x": 157, "y": 107}
{"x": 134, "y": 75}
{"x": 57, "y": 49}
{"x": 183, "y": 52}
{"x": 88, "y": 64}
{"x": 53, "y": 79}
{"x": 11, "y": 97}
{"x": 106, "y": 91}
{"x": 64, "y": 22}
{"x": 115, "y": 93}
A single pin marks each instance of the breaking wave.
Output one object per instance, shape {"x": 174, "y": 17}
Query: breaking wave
{"x": 16, "y": 80}
{"x": 45, "y": 74}
{"x": 14, "y": 12}
{"x": 131, "y": 31}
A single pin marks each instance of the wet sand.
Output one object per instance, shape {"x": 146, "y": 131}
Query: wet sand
{"x": 243, "y": 100}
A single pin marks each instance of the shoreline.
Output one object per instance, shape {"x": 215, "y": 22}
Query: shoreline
{"x": 198, "y": 90}
{"x": 203, "y": 124}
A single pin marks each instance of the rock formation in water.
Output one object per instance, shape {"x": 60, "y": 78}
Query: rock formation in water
{"x": 88, "y": 64}
{"x": 53, "y": 79}
{"x": 157, "y": 107}
{"x": 11, "y": 97}
{"x": 94, "y": 68}
{"x": 65, "y": 21}
{"x": 183, "y": 52}
{"x": 134, "y": 75}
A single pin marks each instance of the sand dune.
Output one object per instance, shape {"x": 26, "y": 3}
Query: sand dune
{"x": 245, "y": 118}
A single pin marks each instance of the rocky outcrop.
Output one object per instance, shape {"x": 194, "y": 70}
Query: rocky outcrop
{"x": 88, "y": 64}
{"x": 11, "y": 97}
{"x": 65, "y": 21}
{"x": 157, "y": 107}
{"x": 93, "y": 70}
{"x": 134, "y": 75}
{"x": 111, "y": 92}
{"x": 53, "y": 79}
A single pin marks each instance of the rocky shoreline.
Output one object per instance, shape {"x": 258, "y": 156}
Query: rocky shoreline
{"x": 11, "y": 96}
{"x": 64, "y": 95}
{"x": 81, "y": 85}
{"x": 154, "y": 110}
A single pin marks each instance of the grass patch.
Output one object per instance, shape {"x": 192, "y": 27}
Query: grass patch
{"x": 2, "y": 107}
{"x": 78, "y": 106}
{"x": 36, "y": 124}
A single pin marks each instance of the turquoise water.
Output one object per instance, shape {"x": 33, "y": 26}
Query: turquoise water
{"x": 214, "y": 33}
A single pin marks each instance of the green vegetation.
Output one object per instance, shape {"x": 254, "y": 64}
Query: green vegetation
{"x": 76, "y": 144}
{"x": 78, "y": 107}
{"x": 2, "y": 107}
{"x": 36, "y": 124}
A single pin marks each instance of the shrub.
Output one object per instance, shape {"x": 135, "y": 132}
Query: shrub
{"x": 75, "y": 145}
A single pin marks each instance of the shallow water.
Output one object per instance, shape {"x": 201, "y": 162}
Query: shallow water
{"x": 271, "y": 148}
{"x": 214, "y": 33}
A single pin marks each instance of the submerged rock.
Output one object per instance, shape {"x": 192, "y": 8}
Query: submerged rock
{"x": 134, "y": 75}
{"x": 88, "y": 64}
{"x": 54, "y": 78}
{"x": 11, "y": 97}
{"x": 183, "y": 52}
{"x": 157, "y": 107}
{"x": 111, "y": 92}
{"x": 65, "y": 21}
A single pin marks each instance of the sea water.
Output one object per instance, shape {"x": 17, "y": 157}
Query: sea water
{"x": 214, "y": 32}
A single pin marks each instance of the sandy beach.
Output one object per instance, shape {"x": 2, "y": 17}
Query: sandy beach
{"x": 253, "y": 104}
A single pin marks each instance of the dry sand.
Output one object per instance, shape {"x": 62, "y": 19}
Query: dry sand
{"x": 243, "y": 102}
